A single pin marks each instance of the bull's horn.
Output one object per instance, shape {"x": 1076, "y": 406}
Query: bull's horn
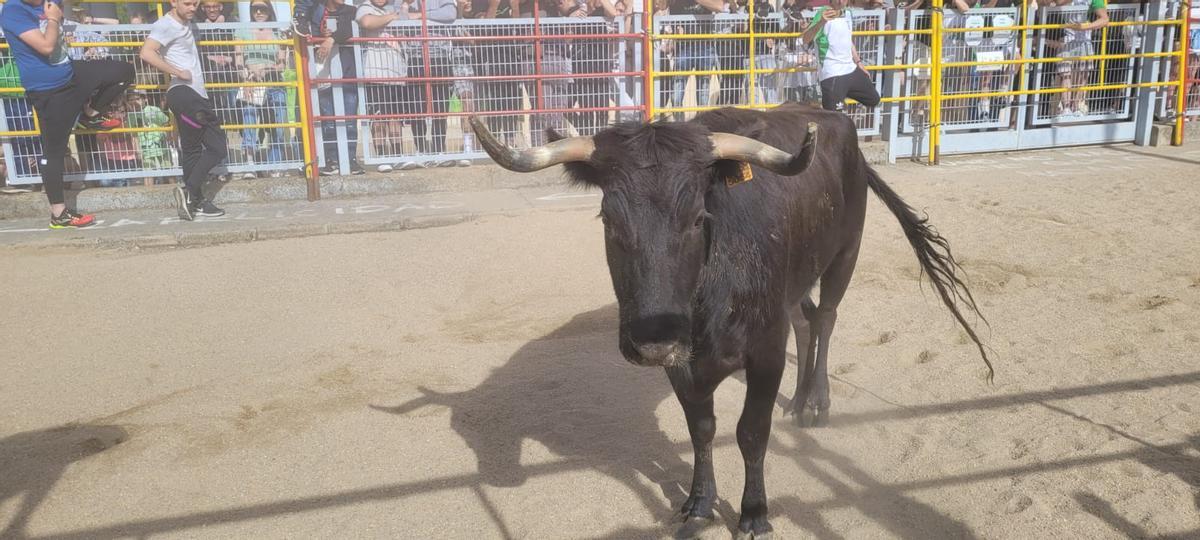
{"x": 739, "y": 148}
{"x": 533, "y": 159}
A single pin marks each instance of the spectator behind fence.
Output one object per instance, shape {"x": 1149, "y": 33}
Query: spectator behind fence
{"x": 59, "y": 90}
{"x": 695, "y": 54}
{"x": 430, "y": 137}
{"x": 263, "y": 104}
{"x": 1077, "y": 42}
{"x": 171, "y": 49}
{"x": 500, "y": 59}
{"x": 218, "y": 62}
{"x": 555, "y": 92}
{"x": 842, "y": 73}
{"x": 152, "y": 145}
{"x": 591, "y": 55}
{"x": 802, "y": 85}
{"x": 383, "y": 60}
{"x": 332, "y": 21}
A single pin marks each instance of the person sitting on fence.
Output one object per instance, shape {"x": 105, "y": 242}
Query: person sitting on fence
{"x": 59, "y": 90}
{"x": 263, "y": 104}
{"x": 332, "y": 21}
{"x": 1077, "y": 42}
{"x": 842, "y": 73}
{"x": 171, "y": 49}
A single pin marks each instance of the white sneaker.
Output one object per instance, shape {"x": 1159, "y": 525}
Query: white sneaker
{"x": 249, "y": 176}
{"x": 464, "y": 163}
{"x": 410, "y": 165}
{"x": 1083, "y": 109}
{"x": 386, "y": 168}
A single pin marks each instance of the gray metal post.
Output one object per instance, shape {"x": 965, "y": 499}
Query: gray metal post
{"x": 1152, "y": 41}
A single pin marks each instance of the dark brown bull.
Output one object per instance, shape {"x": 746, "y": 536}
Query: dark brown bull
{"x": 716, "y": 230}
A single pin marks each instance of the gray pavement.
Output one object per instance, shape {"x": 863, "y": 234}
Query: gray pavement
{"x": 246, "y": 222}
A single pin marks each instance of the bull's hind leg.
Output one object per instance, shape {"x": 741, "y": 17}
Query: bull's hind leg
{"x": 814, "y": 389}
{"x": 806, "y": 354}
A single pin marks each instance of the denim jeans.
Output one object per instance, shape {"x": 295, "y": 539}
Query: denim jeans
{"x": 697, "y": 57}
{"x": 272, "y": 111}
{"x": 329, "y": 128}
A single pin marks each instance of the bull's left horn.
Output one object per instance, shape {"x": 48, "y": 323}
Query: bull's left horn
{"x": 533, "y": 159}
{"x": 739, "y": 148}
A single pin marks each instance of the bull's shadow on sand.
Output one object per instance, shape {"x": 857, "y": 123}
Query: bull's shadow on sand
{"x": 571, "y": 392}
{"x": 33, "y": 461}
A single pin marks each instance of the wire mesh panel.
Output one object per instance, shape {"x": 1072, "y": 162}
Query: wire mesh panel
{"x": 783, "y": 67}
{"x": 1076, "y": 70}
{"x": 1167, "y": 100}
{"x": 418, "y": 101}
{"x": 972, "y": 113}
{"x": 915, "y": 81}
{"x": 146, "y": 145}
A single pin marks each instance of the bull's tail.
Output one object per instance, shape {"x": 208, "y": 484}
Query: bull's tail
{"x": 933, "y": 252}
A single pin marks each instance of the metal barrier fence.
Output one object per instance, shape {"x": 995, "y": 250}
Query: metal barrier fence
{"x": 259, "y": 107}
{"x": 985, "y": 79}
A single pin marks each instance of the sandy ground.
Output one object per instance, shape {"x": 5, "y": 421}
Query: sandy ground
{"x": 464, "y": 382}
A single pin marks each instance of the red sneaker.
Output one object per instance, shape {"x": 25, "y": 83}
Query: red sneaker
{"x": 100, "y": 122}
{"x": 71, "y": 220}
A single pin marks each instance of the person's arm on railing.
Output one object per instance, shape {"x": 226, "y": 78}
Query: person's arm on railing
{"x": 375, "y": 22}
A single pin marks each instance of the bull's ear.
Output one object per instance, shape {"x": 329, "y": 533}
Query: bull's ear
{"x": 553, "y": 135}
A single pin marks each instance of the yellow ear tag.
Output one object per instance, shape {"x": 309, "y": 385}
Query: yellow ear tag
{"x": 744, "y": 175}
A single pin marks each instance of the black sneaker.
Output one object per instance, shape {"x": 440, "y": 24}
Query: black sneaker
{"x": 183, "y": 203}
{"x": 329, "y": 169}
{"x": 207, "y": 209}
{"x": 70, "y": 219}
{"x": 357, "y": 169}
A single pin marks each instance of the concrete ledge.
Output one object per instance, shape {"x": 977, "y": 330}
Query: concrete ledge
{"x": 458, "y": 179}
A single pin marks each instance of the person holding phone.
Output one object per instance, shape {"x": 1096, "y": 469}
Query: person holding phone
{"x": 842, "y": 73}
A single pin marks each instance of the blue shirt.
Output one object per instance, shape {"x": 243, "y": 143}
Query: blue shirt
{"x": 38, "y": 72}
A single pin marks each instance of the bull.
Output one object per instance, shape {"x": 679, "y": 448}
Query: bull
{"x": 716, "y": 231}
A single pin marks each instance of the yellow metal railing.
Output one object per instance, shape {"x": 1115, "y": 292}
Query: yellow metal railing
{"x": 300, "y": 85}
{"x": 936, "y": 95}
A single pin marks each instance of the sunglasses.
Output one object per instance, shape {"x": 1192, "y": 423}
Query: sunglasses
{"x": 258, "y": 9}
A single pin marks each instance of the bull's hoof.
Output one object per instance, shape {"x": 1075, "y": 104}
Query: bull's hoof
{"x": 812, "y": 418}
{"x": 756, "y": 528}
{"x": 695, "y": 529}
{"x": 698, "y": 507}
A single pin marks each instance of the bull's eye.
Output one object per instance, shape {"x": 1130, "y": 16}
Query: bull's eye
{"x": 700, "y": 219}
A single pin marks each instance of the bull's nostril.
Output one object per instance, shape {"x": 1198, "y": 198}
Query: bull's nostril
{"x": 656, "y": 352}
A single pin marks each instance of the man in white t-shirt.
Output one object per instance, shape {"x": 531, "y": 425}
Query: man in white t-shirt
{"x": 842, "y": 73}
{"x": 171, "y": 49}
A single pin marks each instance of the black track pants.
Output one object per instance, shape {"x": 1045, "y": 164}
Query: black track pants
{"x": 856, "y": 85}
{"x": 202, "y": 143}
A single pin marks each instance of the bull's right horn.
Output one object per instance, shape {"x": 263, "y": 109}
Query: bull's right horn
{"x": 533, "y": 159}
{"x": 739, "y": 148}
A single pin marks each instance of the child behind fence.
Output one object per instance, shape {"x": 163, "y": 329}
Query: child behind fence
{"x": 152, "y": 144}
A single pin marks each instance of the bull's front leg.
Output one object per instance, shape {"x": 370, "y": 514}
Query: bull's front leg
{"x": 753, "y": 435}
{"x": 702, "y": 425}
